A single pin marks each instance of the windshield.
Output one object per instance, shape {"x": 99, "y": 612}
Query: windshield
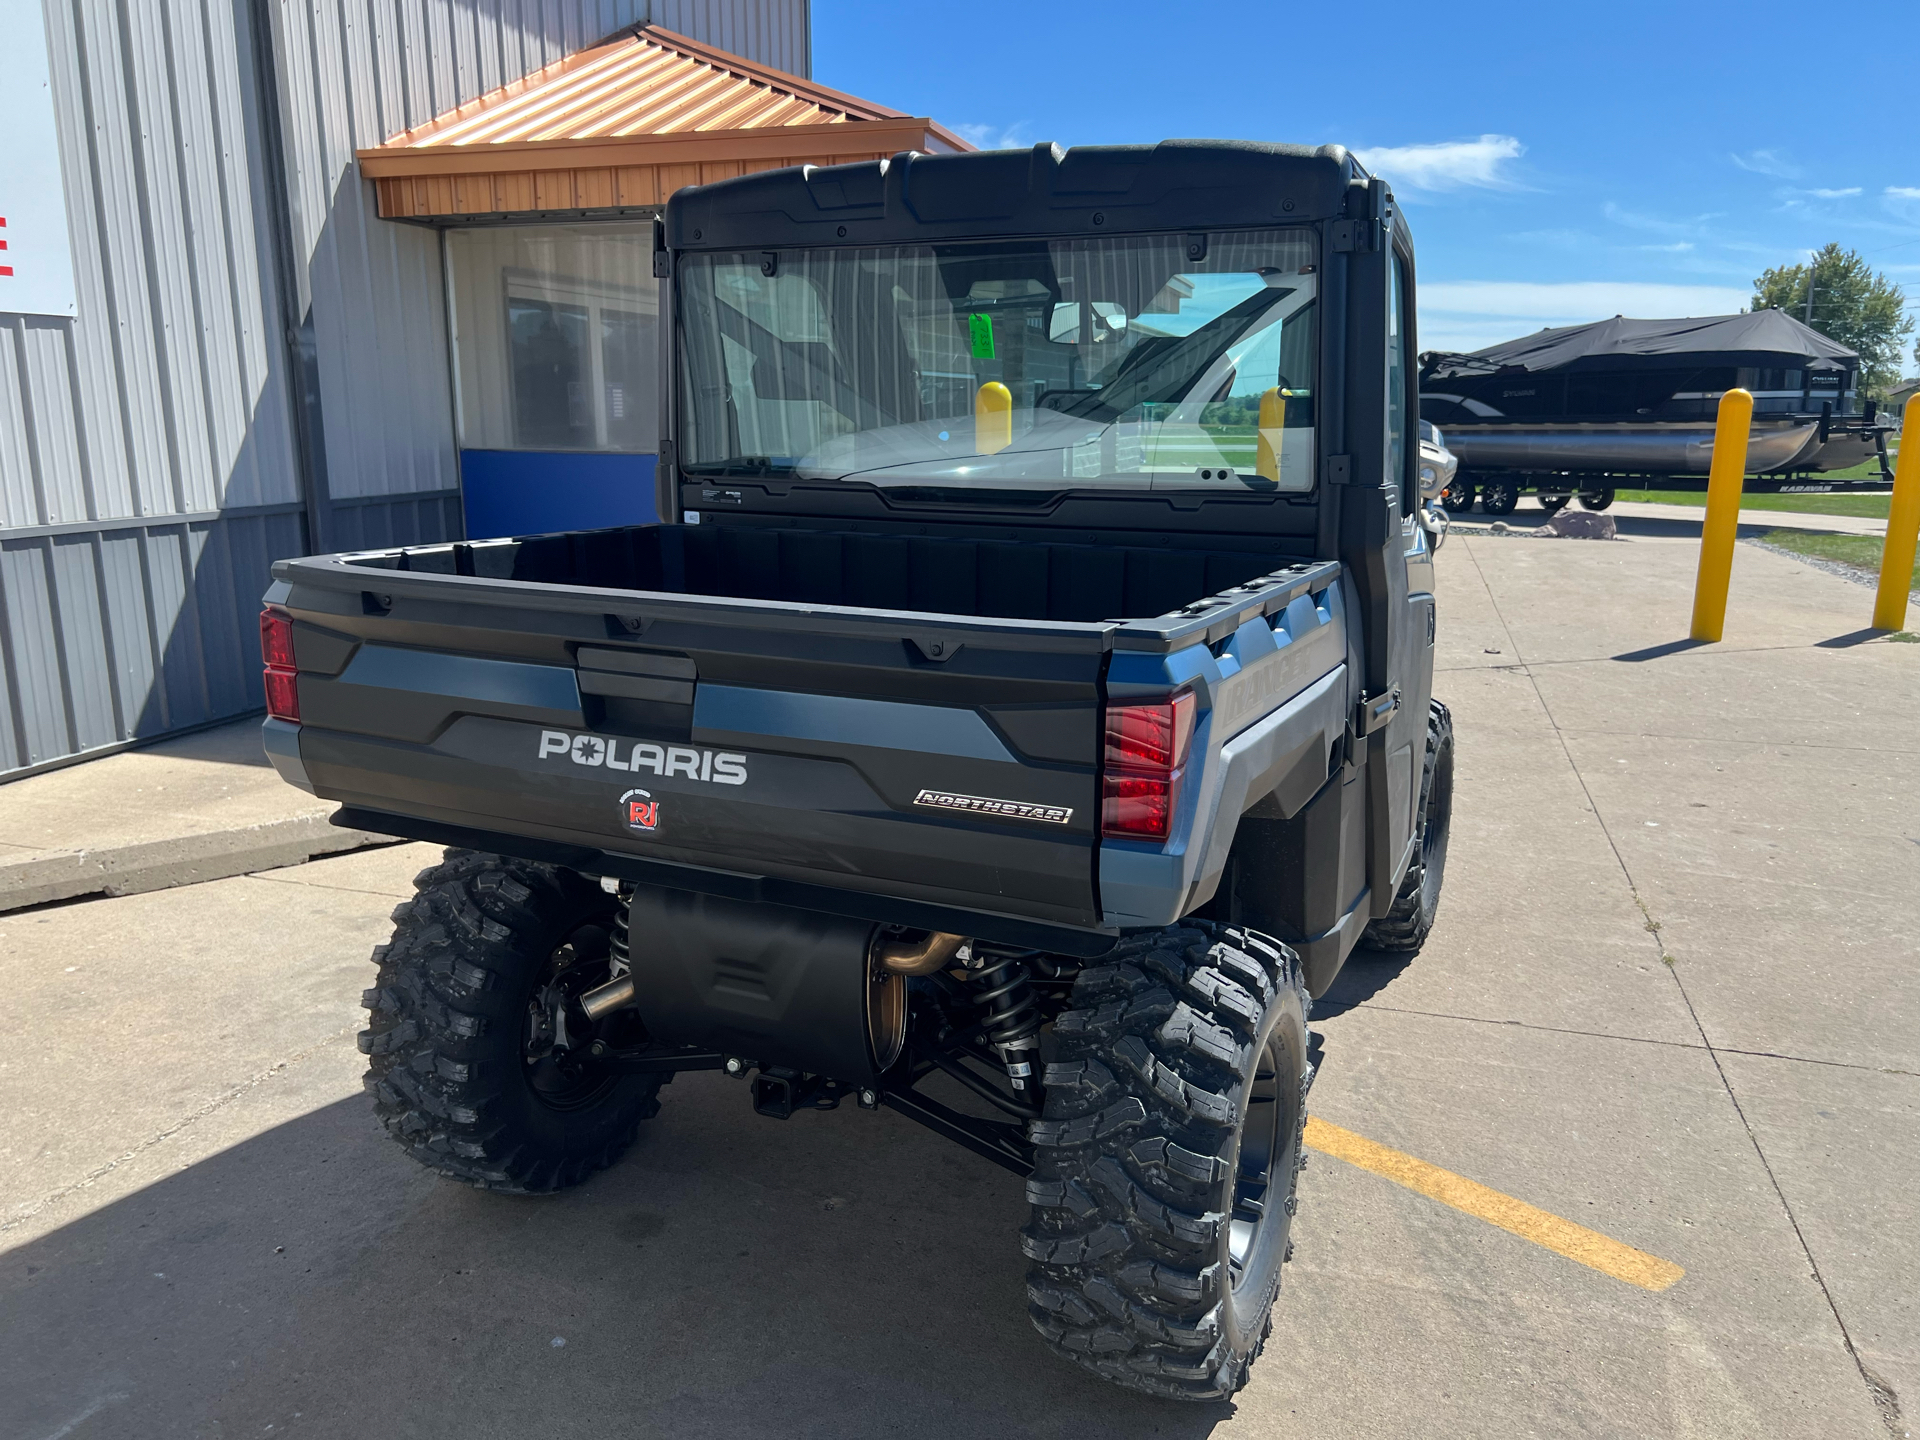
{"x": 1130, "y": 363}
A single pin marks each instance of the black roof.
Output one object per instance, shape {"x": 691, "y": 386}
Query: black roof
{"x": 1760, "y": 337}
{"x": 1176, "y": 185}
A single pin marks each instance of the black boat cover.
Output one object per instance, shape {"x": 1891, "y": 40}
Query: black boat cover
{"x": 1761, "y": 338}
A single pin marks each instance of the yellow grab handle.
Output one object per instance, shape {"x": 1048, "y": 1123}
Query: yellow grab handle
{"x": 1903, "y": 528}
{"x": 992, "y": 418}
{"x": 1273, "y": 420}
{"x": 1725, "y": 480}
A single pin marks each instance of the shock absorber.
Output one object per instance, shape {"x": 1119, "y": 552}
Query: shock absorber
{"x": 619, "y": 961}
{"x": 616, "y": 993}
{"x": 1004, "y": 991}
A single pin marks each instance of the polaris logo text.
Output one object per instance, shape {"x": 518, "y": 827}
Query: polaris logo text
{"x": 665, "y": 761}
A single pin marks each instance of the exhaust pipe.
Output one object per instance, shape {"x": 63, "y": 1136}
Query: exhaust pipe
{"x": 919, "y": 957}
{"x": 603, "y": 1000}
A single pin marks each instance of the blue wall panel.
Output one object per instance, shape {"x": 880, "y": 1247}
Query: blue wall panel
{"x": 534, "y": 492}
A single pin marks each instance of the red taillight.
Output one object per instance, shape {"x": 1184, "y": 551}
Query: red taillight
{"x": 276, "y": 653}
{"x": 276, "y": 639}
{"x": 1146, "y": 756}
{"x": 283, "y": 694}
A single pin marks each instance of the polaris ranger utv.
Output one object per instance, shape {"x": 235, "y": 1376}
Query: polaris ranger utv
{"x": 1024, "y": 712}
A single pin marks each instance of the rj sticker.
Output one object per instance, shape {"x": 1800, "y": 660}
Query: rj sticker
{"x": 980, "y": 332}
{"x": 641, "y": 811}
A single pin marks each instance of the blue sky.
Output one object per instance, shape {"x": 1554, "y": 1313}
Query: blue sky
{"x": 1559, "y": 162}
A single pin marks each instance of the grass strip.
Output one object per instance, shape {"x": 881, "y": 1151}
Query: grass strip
{"x": 1860, "y": 552}
{"x": 1871, "y": 507}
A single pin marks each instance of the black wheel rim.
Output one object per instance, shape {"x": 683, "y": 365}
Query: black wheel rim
{"x": 556, "y": 1036}
{"x": 1264, "y": 1165}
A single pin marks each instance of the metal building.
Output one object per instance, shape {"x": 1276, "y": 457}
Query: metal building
{"x": 228, "y": 356}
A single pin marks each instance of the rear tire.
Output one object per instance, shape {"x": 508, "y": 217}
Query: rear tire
{"x": 1166, "y": 1162}
{"x": 1595, "y": 499}
{"x": 1553, "y": 504}
{"x": 1457, "y": 498}
{"x": 1498, "y": 497}
{"x": 466, "y": 1066}
{"x": 1404, "y": 928}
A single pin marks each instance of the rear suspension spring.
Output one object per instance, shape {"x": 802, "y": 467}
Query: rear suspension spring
{"x": 618, "y": 955}
{"x": 1004, "y": 990}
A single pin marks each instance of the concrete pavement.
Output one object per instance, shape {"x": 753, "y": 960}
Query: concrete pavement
{"x": 198, "y": 807}
{"x": 1671, "y": 997}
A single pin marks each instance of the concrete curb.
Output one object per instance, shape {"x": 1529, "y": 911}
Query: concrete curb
{"x": 176, "y": 860}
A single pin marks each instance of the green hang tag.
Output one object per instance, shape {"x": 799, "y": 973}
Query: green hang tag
{"x": 980, "y": 332}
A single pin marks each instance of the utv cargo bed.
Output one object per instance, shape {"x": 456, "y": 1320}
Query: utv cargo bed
{"x": 834, "y": 719}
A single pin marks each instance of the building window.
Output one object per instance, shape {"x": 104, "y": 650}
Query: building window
{"x": 556, "y": 337}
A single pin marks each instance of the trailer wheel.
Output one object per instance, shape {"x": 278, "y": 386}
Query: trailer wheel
{"x": 1553, "y": 504}
{"x": 1166, "y": 1162}
{"x": 1405, "y": 927}
{"x": 1596, "y": 499}
{"x": 1498, "y": 497}
{"x": 479, "y": 1056}
{"x": 1457, "y": 498}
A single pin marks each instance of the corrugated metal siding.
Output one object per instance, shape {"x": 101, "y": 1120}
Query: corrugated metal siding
{"x": 135, "y": 630}
{"x": 149, "y": 472}
{"x": 773, "y": 33}
{"x": 131, "y": 435}
{"x": 404, "y": 520}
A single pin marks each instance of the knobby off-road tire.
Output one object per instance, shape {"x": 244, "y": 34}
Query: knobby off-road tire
{"x": 1166, "y": 1162}
{"x": 474, "y": 962}
{"x": 1405, "y": 927}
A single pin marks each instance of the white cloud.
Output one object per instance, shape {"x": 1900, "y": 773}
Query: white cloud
{"x": 1470, "y": 314}
{"x": 995, "y": 137}
{"x": 1679, "y": 247}
{"x": 1448, "y": 165}
{"x": 1560, "y": 239}
{"x": 1693, "y": 227}
{"x": 1583, "y": 299}
{"x": 1902, "y": 202}
{"x": 1835, "y": 194}
{"x": 1768, "y": 162}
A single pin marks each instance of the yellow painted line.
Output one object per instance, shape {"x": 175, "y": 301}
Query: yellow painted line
{"x": 1563, "y": 1237}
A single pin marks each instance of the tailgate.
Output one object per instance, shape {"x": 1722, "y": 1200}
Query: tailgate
{"x": 948, "y": 760}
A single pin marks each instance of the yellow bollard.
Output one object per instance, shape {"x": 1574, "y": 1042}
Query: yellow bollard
{"x": 992, "y": 418}
{"x": 1273, "y": 420}
{"x": 1725, "y": 480}
{"x": 1903, "y": 527}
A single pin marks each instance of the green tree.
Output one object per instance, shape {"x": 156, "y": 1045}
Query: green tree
{"x": 1852, "y": 303}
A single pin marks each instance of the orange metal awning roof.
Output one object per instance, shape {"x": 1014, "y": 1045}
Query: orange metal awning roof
{"x": 626, "y": 124}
